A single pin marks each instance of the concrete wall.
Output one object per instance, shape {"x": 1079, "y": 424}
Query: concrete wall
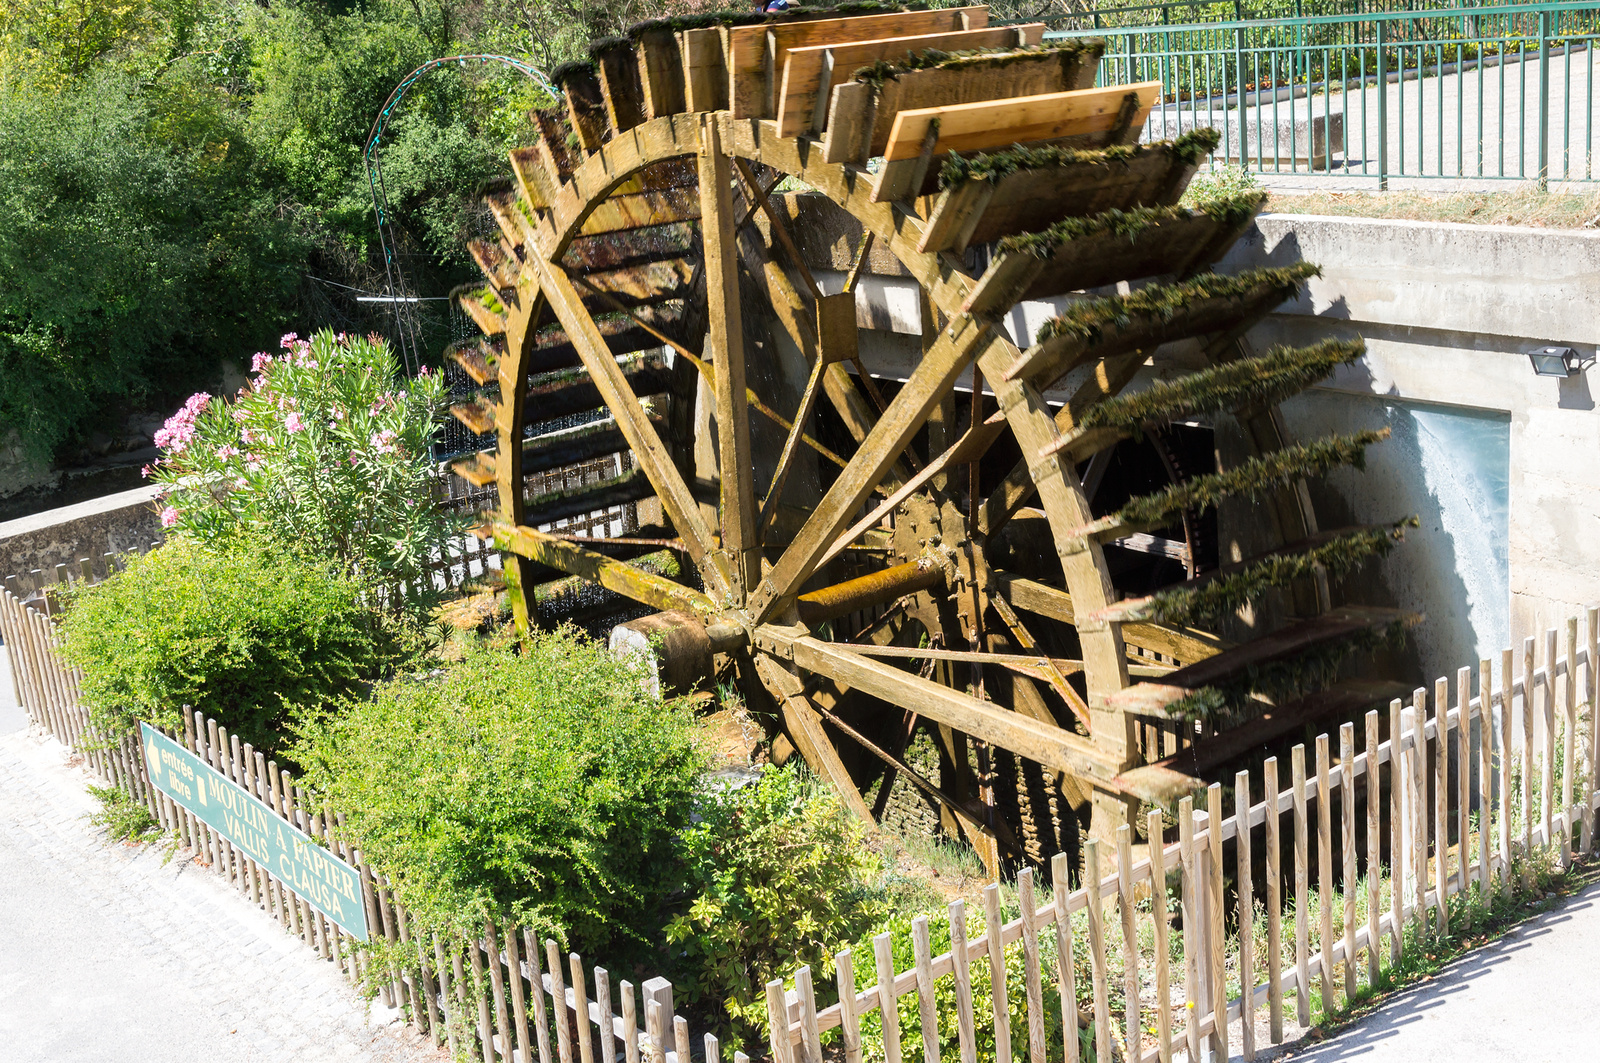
{"x": 1502, "y": 466}
{"x": 109, "y": 525}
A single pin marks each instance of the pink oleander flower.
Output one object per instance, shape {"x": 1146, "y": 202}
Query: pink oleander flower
{"x": 175, "y": 434}
{"x": 259, "y": 363}
{"x": 384, "y": 441}
{"x": 294, "y": 423}
{"x": 226, "y": 452}
{"x": 146, "y": 471}
{"x": 246, "y": 436}
{"x": 169, "y": 517}
{"x": 355, "y": 459}
{"x": 289, "y": 340}
{"x": 425, "y": 371}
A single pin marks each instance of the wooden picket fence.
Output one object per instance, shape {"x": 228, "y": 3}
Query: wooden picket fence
{"x": 1419, "y": 787}
{"x": 492, "y": 998}
{"x": 1455, "y": 798}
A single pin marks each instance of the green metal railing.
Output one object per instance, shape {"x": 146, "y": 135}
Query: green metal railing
{"x": 1481, "y": 92}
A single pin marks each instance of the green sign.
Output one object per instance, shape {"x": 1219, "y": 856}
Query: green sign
{"x": 331, "y": 886}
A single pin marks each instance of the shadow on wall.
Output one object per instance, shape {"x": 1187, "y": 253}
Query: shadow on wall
{"x": 1450, "y": 466}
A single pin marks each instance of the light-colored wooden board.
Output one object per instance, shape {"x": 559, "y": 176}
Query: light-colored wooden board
{"x": 812, "y": 72}
{"x": 861, "y": 115}
{"x": 705, "y": 75}
{"x": 1000, "y": 123}
{"x": 757, "y": 54}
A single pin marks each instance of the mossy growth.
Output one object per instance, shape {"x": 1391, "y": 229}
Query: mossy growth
{"x": 1088, "y": 319}
{"x": 1072, "y": 54}
{"x": 1249, "y": 477}
{"x": 1230, "y": 211}
{"x": 699, "y": 21}
{"x": 600, "y": 47}
{"x": 1249, "y": 383}
{"x": 994, "y": 167}
{"x": 574, "y": 69}
{"x": 1285, "y": 680}
{"x": 1225, "y": 594}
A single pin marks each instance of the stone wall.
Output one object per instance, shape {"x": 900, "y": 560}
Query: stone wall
{"x": 112, "y": 524}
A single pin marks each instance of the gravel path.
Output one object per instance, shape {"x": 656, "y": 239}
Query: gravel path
{"x": 107, "y": 953}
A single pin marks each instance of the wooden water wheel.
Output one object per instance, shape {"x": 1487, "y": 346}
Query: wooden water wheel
{"x": 870, "y": 555}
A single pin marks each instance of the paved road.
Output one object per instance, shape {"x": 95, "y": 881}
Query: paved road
{"x": 107, "y": 954}
{"x": 1528, "y": 998}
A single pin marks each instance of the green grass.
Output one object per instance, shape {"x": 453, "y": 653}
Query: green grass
{"x": 1521, "y": 206}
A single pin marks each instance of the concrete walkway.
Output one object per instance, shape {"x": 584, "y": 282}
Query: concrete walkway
{"x": 1529, "y": 997}
{"x": 107, "y": 953}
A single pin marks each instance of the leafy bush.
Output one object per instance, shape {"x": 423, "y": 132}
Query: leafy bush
{"x": 324, "y": 450}
{"x": 240, "y": 632}
{"x": 543, "y": 788}
{"x": 780, "y": 876}
{"x": 122, "y": 816}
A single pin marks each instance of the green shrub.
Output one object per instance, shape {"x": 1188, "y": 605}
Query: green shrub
{"x": 123, "y": 817}
{"x": 543, "y": 788}
{"x": 240, "y": 632}
{"x": 780, "y": 876}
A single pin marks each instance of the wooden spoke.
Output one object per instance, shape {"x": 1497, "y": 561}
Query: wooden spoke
{"x": 642, "y": 438}
{"x": 808, "y": 400}
{"x": 727, "y": 340}
{"x": 889, "y": 437}
{"x": 569, "y": 557}
{"x": 1054, "y": 675}
{"x": 780, "y": 230}
{"x": 1050, "y": 746}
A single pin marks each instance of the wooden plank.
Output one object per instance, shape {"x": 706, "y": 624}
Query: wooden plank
{"x": 1463, "y": 776}
{"x": 1547, "y": 743}
{"x": 888, "y": 1009}
{"x": 735, "y": 460}
{"x": 812, "y": 73}
{"x": 1347, "y": 846}
{"x": 661, "y": 72}
{"x": 927, "y": 1010}
{"x": 1032, "y": 198}
{"x": 1192, "y": 920}
{"x": 1152, "y": 699}
{"x": 870, "y": 114}
{"x": 648, "y": 450}
{"x": 1397, "y": 863}
{"x": 1023, "y": 735}
{"x": 1569, "y": 761}
{"x": 1302, "y": 900}
{"x": 1216, "y": 932}
{"x": 621, "y": 87}
{"x": 617, "y": 576}
{"x": 849, "y": 1019}
{"x": 1031, "y": 967}
{"x": 705, "y": 75}
{"x": 1526, "y": 759}
{"x": 1156, "y": 843}
{"x": 1273, "y": 837}
{"x": 639, "y": 210}
{"x": 804, "y": 725}
{"x": 1244, "y": 873}
{"x": 757, "y": 55}
{"x": 1133, "y": 1027}
{"x": 1374, "y": 786}
{"x": 1325, "y": 875}
{"x": 992, "y": 124}
{"x": 1591, "y": 690}
{"x": 1441, "y": 801}
{"x": 586, "y": 108}
{"x": 1066, "y": 988}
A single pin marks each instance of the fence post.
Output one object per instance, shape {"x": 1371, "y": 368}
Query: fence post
{"x": 1383, "y": 111}
{"x": 1544, "y": 104}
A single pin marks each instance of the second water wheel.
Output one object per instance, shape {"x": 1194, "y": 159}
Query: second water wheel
{"x": 870, "y": 555}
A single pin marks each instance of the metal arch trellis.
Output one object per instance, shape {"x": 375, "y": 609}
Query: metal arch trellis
{"x": 405, "y": 324}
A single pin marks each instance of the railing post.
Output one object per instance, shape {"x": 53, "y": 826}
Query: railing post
{"x": 1383, "y": 111}
{"x": 1544, "y": 101}
{"x": 1238, "y": 87}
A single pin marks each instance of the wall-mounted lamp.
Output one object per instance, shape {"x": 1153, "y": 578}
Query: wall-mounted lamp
{"x": 1559, "y": 361}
